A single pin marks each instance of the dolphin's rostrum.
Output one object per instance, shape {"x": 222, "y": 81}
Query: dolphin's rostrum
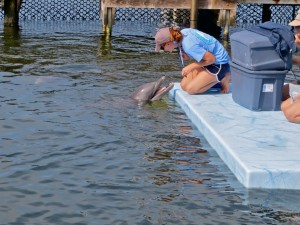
{"x": 152, "y": 91}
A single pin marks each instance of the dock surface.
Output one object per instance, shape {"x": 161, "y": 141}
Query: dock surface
{"x": 262, "y": 149}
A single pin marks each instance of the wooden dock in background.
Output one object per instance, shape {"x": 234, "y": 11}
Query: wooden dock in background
{"x": 178, "y": 4}
{"x": 108, "y": 8}
{"x": 227, "y": 6}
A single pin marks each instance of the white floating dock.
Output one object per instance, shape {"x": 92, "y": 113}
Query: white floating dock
{"x": 262, "y": 149}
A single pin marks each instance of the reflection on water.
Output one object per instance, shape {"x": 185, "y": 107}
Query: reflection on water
{"x": 104, "y": 45}
{"x": 11, "y": 37}
{"x": 75, "y": 149}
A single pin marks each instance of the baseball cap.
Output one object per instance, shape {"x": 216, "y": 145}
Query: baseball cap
{"x": 296, "y": 21}
{"x": 163, "y": 35}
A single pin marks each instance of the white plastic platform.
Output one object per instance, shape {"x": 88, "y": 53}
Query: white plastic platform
{"x": 262, "y": 149}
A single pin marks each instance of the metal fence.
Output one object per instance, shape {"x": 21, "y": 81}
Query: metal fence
{"x": 52, "y": 10}
{"x": 252, "y": 13}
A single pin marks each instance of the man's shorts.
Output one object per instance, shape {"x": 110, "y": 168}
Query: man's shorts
{"x": 219, "y": 70}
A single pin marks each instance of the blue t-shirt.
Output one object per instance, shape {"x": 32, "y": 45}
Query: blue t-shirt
{"x": 195, "y": 43}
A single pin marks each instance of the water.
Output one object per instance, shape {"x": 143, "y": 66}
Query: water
{"x": 76, "y": 150}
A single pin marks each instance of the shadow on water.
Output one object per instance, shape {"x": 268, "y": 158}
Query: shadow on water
{"x": 76, "y": 150}
{"x": 12, "y": 42}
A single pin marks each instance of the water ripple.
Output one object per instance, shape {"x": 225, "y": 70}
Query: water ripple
{"x": 75, "y": 149}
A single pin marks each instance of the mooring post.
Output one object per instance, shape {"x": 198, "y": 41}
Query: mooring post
{"x": 11, "y": 12}
{"x": 108, "y": 17}
{"x": 227, "y": 22}
{"x": 266, "y": 13}
{"x": 194, "y": 13}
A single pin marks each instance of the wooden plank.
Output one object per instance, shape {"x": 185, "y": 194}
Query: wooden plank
{"x": 225, "y": 4}
{"x": 182, "y": 4}
{"x": 186, "y": 4}
{"x": 282, "y": 2}
{"x": 177, "y": 4}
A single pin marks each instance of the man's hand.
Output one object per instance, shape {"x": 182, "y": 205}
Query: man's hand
{"x": 296, "y": 60}
{"x": 189, "y": 68}
{"x": 297, "y": 39}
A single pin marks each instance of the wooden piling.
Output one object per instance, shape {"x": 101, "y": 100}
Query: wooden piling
{"x": 226, "y": 27}
{"x": 194, "y": 13}
{"x": 266, "y": 13}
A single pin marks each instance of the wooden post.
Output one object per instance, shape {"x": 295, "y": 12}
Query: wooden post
{"x": 108, "y": 17}
{"x": 227, "y": 22}
{"x": 108, "y": 20}
{"x": 266, "y": 13}
{"x": 194, "y": 13}
{"x": 11, "y": 12}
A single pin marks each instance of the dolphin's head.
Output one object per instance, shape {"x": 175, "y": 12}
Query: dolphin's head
{"x": 152, "y": 91}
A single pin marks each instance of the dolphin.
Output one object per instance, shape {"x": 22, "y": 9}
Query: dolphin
{"x": 152, "y": 91}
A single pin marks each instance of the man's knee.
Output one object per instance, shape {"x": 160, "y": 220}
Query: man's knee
{"x": 188, "y": 87}
{"x": 291, "y": 118}
{"x": 183, "y": 84}
{"x": 290, "y": 115}
{"x": 282, "y": 106}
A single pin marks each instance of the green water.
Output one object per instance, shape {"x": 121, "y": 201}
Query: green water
{"x": 75, "y": 149}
